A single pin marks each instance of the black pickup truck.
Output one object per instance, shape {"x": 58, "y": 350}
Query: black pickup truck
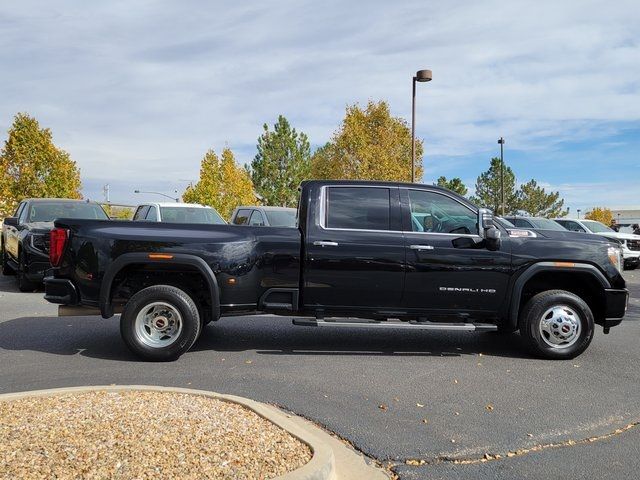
{"x": 393, "y": 255}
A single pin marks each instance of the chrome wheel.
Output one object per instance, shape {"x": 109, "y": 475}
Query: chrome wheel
{"x": 560, "y": 326}
{"x": 158, "y": 324}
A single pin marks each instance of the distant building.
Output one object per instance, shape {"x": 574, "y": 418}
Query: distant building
{"x": 628, "y": 216}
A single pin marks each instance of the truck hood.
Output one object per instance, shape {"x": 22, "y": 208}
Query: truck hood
{"x": 621, "y": 236}
{"x": 568, "y": 235}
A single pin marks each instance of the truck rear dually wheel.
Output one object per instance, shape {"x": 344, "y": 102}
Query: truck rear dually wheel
{"x": 160, "y": 323}
{"x": 557, "y": 324}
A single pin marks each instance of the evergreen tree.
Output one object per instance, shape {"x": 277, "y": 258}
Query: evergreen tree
{"x": 488, "y": 190}
{"x": 537, "y": 202}
{"x": 455, "y": 185}
{"x": 282, "y": 162}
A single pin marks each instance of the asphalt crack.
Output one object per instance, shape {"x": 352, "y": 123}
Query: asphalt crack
{"x": 488, "y": 457}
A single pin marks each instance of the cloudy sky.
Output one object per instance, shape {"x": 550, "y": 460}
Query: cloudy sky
{"x": 137, "y": 91}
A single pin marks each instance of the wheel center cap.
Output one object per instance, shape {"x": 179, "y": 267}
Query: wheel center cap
{"x": 565, "y": 328}
{"x": 160, "y": 322}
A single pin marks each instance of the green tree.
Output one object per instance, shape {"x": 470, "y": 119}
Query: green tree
{"x": 538, "y": 203}
{"x": 488, "y": 191}
{"x": 32, "y": 166}
{"x": 455, "y": 185}
{"x": 282, "y": 162}
{"x": 369, "y": 145}
{"x": 222, "y": 184}
{"x": 600, "y": 214}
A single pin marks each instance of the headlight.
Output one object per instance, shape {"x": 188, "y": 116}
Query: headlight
{"x": 615, "y": 257}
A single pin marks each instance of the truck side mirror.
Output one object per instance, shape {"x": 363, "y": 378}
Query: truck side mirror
{"x": 487, "y": 229}
{"x": 11, "y": 221}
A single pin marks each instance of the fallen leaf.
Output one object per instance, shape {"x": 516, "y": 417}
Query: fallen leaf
{"x": 453, "y": 441}
{"x": 424, "y": 420}
{"x": 419, "y": 405}
{"x": 489, "y": 408}
{"x": 529, "y": 434}
{"x": 383, "y": 407}
{"x": 248, "y": 362}
{"x": 396, "y": 399}
{"x": 455, "y": 381}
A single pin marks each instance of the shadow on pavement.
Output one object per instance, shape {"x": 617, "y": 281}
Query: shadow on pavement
{"x": 99, "y": 338}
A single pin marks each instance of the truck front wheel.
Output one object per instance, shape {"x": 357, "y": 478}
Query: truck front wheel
{"x": 160, "y": 323}
{"x": 557, "y": 324}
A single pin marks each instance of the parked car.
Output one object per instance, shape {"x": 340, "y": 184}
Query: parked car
{"x": 359, "y": 251}
{"x": 534, "y": 223}
{"x": 264, "y": 216}
{"x": 25, "y": 236}
{"x": 177, "y": 213}
{"x": 629, "y": 242}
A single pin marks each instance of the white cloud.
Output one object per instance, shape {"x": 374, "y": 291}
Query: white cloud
{"x": 140, "y": 90}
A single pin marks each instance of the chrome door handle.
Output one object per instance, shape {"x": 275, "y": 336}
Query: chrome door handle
{"x": 322, "y": 243}
{"x": 421, "y": 247}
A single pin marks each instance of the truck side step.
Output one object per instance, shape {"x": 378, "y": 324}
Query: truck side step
{"x": 467, "y": 327}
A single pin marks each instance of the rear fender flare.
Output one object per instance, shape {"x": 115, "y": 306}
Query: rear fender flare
{"x": 531, "y": 271}
{"x": 106, "y": 307}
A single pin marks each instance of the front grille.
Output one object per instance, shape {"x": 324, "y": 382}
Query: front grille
{"x": 40, "y": 242}
{"x": 633, "y": 245}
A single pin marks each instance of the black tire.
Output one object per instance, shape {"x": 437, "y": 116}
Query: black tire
{"x": 24, "y": 285}
{"x": 133, "y": 333}
{"x": 6, "y": 268}
{"x": 572, "y": 309}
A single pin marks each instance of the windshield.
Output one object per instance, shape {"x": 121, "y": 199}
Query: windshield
{"x": 191, "y": 215}
{"x": 546, "y": 224}
{"x": 596, "y": 227}
{"x": 49, "y": 211}
{"x": 281, "y": 218}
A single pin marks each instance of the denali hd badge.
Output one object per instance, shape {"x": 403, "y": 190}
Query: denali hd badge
{"x": 468, "y": 290}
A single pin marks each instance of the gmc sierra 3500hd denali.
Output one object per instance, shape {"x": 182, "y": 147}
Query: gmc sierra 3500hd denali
{"x": 395, "y": 255}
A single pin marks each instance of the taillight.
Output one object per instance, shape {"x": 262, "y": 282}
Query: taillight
{"x": 58, "y": 240}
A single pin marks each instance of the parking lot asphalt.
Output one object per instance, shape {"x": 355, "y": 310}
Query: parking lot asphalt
{"x": 420, "y": 397}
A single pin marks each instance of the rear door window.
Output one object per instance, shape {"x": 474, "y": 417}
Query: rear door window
{"x": 256, "y": 219}
{"x": 152, "y": 215}
{"x": 141, "y": 213}
{"x": 242, "y": 217}
{"x": 358, "y": 208}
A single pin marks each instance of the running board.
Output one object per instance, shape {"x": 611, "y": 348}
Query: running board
{"x": 466, "y": 327}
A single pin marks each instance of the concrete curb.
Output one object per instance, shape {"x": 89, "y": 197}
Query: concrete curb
{"x": 325, "y": 448}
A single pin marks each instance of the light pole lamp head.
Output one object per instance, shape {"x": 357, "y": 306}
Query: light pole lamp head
{"x": 501, "y": 141}
{"x": 136, "y": 191}
{"x": 424, "y": 75}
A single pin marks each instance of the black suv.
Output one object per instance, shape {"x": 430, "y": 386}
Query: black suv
{"x": 25, "y": 236}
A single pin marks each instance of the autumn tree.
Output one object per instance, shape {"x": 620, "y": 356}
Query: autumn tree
{"x": 534, "y": 200}
{"x": 32, "y": 166}
{"x": 282, "y": 162}
{"x": 369, "y": 145}
{"x": 223, "y": 184}
{"x": 600, "y": 214}
{"x": 455, "y": 185}
{"x": 488, "y": 189}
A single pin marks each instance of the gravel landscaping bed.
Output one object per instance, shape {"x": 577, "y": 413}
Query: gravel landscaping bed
{"x": 142, "y": 435}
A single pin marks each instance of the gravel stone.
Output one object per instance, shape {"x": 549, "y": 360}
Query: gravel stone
{"x": 141, "y": 435}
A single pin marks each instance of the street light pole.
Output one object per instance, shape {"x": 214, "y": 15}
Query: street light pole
{"x": 420, "y": 76}
{"x": 501, "y": 142}
{"x": 579, "y": 214}
{"x": 158, "y": 193}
